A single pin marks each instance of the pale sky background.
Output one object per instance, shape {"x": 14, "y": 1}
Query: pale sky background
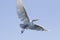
{"x": 48, "y": 11}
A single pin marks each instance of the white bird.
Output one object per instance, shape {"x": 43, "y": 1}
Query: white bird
{"x": 26, "y": 24}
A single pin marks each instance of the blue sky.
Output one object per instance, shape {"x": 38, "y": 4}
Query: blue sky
{"x": 48, "y": 11}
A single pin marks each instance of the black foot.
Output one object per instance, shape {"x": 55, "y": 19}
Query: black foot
{"x": 22, "y": 32}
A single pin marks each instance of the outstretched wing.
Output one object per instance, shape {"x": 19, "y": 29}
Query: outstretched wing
{"x": 38, "y": 28}
{"x": 22, "y": 12}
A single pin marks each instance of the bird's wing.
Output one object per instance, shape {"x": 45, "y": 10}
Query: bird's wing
{"x": 37, "y": 27}
{"x": 22, "y": 12}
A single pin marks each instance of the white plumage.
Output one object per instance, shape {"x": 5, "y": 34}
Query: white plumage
{"x": 22, "y": 14}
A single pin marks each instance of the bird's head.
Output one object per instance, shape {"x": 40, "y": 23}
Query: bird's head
{"x": 35, "y": 20}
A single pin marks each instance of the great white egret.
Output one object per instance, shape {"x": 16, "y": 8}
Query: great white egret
{"x": 26, "y": 24}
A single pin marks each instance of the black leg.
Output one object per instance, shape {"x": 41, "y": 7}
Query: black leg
{"x": 22, "y": 31}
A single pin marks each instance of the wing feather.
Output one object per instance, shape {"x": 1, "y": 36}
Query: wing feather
{"x": 22, "y": 12}
{"x": 38, "y": 28}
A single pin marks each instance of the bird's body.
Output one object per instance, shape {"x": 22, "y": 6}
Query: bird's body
{"x": 26, "y": 24}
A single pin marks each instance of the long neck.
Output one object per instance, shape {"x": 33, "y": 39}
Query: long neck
{"x": 32, "y": 22}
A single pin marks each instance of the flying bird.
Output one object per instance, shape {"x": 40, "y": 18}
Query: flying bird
{"x": 26, "y": 24}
